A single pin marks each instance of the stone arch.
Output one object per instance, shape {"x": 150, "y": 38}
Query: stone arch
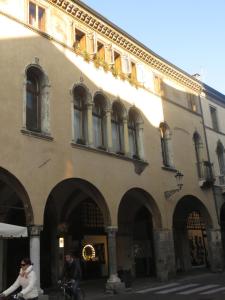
{"x": 66, "y": 215}
{"x": 16, "y": 186}
{"x": 81, "y": 85}
{"x": 191, "y": 223}
{"x": 136, "y": 232}
{"x": 144, "y": 199}
{"x": 120, "y": 106}
{"x": 104, "y": 98}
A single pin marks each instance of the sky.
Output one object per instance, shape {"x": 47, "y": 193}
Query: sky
{"x": 189, "y": 34}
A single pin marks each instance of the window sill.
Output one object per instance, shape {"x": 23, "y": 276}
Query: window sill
{"x": 139, "y": 165}
{"x": 170, "y": 169}
{"x": 39, "y": 135}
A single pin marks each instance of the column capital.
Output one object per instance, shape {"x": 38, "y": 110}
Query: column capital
{"x": 111, "y": 230}
{"x": 35, "y": 230}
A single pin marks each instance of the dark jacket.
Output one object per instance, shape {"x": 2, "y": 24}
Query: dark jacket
{"x": 72, "y": 270}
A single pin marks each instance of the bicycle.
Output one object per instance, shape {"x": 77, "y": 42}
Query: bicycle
{"x": 68, "y": 292}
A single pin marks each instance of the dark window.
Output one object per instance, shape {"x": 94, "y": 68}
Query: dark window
{"x": 33, "y": 100}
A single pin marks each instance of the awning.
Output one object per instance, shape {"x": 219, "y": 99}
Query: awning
{"x": 12, "y": 231}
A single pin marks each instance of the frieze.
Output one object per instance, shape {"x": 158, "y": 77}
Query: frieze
{"x": 118, "y": 38}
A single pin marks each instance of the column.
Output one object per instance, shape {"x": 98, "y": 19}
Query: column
{"x": 1, "y": 264}
{"x": 215, "y": 255}
{"x": 113, "y": 284}
{"x": 125, "y": 137}
{"x": 164, "y": 254}
{"x": 35, "y": 231}
{"x": 140, "y": 141}
{"x": 108, "y": 129}
{"x": 89, "y": 124}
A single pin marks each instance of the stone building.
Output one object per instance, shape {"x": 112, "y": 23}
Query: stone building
{"x": 95, "y": 130}
{"x": 213, "y": 110}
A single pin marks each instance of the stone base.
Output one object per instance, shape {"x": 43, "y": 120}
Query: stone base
{"x": 115, "y": 287}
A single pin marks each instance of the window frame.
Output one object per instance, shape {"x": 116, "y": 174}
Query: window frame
{"x": 36, "y": 23}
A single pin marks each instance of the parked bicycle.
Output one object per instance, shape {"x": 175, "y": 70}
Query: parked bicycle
{"x": 69, "y": 293}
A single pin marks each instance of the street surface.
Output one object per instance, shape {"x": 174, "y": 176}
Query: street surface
{"x": 201, "y": 287}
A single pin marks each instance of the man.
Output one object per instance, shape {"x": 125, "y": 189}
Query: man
{"x": 72, "y": 273}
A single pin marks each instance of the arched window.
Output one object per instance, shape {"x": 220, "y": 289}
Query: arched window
{"x": 99, "y": 121}
{"x": 33, "y": 99}
{"x": 133, "y": 133}
{"x": 117, "y": 128}
{"x": 80, "y": 116}
{"x": 220, "y": 156}
{"x": 166, "y": 145}
{"x": 198, "y": 153}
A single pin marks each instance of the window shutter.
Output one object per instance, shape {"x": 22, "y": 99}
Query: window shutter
{"x": 126, "y": 65}
{"x": 140, "y": 73}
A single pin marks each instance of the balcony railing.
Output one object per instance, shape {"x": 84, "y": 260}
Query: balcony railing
{"x": 205, "y": 173}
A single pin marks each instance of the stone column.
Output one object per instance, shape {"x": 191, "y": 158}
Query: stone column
{"x": 108, "y": 129}
{"x": 215, "y": 249}
{"x": 35, "y": 231}
{"x": 113, "y": 284}
{"x": 125, "y": 137}
{"x": 1, "y": 264}
{"x": 89, "y": 124}
{"x": 140, "y": 141}
{"x": 164, "y": 254}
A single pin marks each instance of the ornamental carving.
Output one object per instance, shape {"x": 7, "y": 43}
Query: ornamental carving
{"x": 116, "y": 37}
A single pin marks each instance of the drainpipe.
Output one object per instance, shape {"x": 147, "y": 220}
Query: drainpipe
{"x": 210, "y": 165}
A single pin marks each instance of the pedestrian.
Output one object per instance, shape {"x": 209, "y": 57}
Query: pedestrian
{"x": 72, "y": 272}
{"x": 26, "y": 280}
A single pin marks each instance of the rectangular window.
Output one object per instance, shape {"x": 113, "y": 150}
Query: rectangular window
{"x": 133, "y": 74}
{"x": 117, "y": 62}
{"x": 36, "y": 16}
{"x": 101, "y": 51}
{"x": 80, "y": 40}
{"x": 192, "y": 105}
{"x": 213, "y": 113}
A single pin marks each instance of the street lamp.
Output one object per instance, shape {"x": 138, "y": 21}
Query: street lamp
{"x": 179, "y": 177}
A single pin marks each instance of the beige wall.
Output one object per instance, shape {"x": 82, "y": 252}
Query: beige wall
{"x": 41, "y": 164}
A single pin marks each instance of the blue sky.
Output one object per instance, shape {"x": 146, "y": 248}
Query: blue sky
{"x": 190, "y": 34}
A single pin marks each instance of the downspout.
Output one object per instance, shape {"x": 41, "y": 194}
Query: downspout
{"x": 210, "y": 165}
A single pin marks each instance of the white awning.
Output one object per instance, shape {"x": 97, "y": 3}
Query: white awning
{"x": 12, "y": 231}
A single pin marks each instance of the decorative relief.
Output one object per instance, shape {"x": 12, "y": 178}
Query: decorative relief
{"x": 122, "y": 41}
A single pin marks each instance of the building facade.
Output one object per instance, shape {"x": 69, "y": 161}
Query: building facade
{"x": 95, "y": 126}
{"x": 213, "y": 110}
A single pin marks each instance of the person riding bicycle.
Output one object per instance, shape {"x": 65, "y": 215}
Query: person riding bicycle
{"x": 27, "y": 280}
{"x": 72, "y": 273}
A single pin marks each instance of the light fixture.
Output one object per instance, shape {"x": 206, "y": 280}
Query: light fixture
{"x": 179, "y": 176}
{"x": 61, "y": 242}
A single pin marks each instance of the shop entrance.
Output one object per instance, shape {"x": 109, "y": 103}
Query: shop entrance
{"x": 190, "y": 221}
{"x": 138, "y": 215}
{"x": 76, "y": 216}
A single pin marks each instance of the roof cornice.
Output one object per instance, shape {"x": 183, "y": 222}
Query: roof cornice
{"x": 98, "y": 23}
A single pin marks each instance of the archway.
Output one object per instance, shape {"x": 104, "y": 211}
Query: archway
{"x": 138, "y": 216}
{"x": 76, "y": 215}
{"x": 190, "y": 223}
{"x": 15, "y": 209}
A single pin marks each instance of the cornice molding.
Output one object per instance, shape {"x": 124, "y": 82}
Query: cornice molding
{"x": 90, "y": 20}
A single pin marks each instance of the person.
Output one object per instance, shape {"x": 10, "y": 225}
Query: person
{"x": 71, "y": 273}
{"x": 26, "y": 280}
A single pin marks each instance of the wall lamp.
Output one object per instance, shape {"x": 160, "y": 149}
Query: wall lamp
{"x": 179, "y": 177}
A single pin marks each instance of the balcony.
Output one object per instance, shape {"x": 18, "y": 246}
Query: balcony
{"x": 205, "y": 174}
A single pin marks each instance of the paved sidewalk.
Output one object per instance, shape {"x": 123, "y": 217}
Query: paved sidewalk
{"x": 95, "y": 289}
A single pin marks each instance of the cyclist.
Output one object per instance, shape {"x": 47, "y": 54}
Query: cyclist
{"x": 26, "y": 280}
{"x": 72, "y": 273}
